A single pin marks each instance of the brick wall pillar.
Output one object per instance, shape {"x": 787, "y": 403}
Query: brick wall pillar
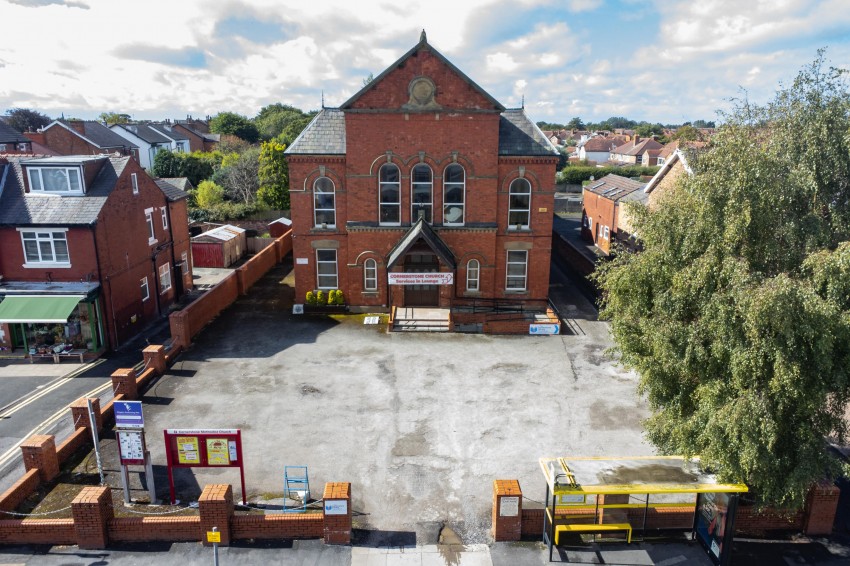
{"x": 337, "y": 512}
{"x": 92, "y": 510}
{"x": 613, "y": 515}
{"x": 216, "y": 507}
{"x": 507, "y": 510}
{"x": 155, "y": 358}
{"x": 124, "y": 383}
{"x": 821, "y": 506}
{"x": 39, "y": 453}
{"x": 178, "y": 323}
{"x": 80, "y": 413}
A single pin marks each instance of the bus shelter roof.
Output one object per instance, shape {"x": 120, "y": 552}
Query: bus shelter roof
{"x": 650, "y": 474}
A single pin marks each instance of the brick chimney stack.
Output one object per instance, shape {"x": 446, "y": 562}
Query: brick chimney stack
{"x": 78, "y": 125}
{"x": 637, "y": 139}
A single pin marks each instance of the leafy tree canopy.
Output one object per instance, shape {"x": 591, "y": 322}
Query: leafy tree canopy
{"x": 26, "y": 120}
{"x": 687, "y": 133}
{"x": 208, "y": 194}
{"x": 274, "y": 119}
{"x": 575, "y": 124}
{"x": 274, "y": 176}
{"x": 114, "y": 118}
{"x": 235, "y": 125}
{"x": 736, "y": 314}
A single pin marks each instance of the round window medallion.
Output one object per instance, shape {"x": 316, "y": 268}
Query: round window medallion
{"x": 422, "y": 90}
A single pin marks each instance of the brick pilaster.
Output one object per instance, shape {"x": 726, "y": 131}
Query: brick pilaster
{"x": 124, "y": 383}
{"x": 80, "y": 413}
{"x": 155, "y": 358}
{"x": 507, "y": 523}
{"x": 92, "y": 510}
{"x": 337, "y": 527}
{"x": 821, "y": 507}
{"x": 216, "y": 508}
{"x": 39, "y": 453}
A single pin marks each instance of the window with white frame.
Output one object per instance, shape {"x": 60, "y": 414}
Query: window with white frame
{"x": 134, "y": 181}
{"x": 517, "y": 270}
{"x": 146, "y": 292}
{"x": 326, "y": 272}
{"x": 421, "y": 193}
{"x": 55, "y": 180}
{"x": 589, "y": 223}
{"x": 164, "y": 212}
{"x": 605, "y": 232}
{"x": 473, "y": 268}
{"x": 519, "y": 204}
{"x": 184, "y": 259}
{"x": 149, "y": 220}
{"x": 324, "y": 203}
{"x": 389, "y": 181}
{"x": 45, "y": 247}
{"x": 2, "y": 147}
{"x": 454, "y": 195}
{"x": 370, "y": 275}
{"x": 164, "y": 278}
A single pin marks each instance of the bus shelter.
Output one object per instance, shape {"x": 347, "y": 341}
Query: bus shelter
{"x": 637, "y": 495}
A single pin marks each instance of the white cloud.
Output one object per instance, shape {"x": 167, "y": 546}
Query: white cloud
{"x": 173, "y": 58}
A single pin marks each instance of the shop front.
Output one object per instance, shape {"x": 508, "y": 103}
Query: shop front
{"x": 42, "y": 324}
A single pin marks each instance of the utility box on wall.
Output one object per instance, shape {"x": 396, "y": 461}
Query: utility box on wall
{"x": 220, "y": 247}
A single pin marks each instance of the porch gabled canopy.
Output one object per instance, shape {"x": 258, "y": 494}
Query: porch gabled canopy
{"x": 424, "y": 231}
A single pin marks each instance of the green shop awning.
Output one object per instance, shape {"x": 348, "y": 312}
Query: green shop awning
{"x": 38, "y": 309}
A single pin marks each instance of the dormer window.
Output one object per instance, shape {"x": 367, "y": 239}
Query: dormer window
{"x": 55, "y": 180}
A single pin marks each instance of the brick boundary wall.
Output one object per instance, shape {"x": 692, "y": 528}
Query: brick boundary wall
{"x": 290, "y": 526}
{"x": 38, "y": 531}
{"x": 816, "y": 518}
{"x": 154, "y": 529}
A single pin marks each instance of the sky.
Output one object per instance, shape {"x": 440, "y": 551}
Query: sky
{"x": 667, "y": 61}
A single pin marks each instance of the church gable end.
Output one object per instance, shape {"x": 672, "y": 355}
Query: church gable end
{"x": 423, "y": 80}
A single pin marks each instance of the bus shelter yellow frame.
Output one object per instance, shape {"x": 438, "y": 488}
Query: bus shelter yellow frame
{"x": 568, "y": 476}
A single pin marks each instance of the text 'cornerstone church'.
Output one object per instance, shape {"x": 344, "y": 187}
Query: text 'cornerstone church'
{"x": 422, "y": 190}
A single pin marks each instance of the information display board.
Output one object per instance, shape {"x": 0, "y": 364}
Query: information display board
{"x": 204, "y": 448}
{"x": 131, "y": 447}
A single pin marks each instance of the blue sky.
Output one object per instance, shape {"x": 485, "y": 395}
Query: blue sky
{"x": 658, "y": 60}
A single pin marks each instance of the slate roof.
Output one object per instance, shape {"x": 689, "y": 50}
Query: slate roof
{"x": 614, "y": 187}
{"x": 8, "y": 134}
{"x": 99, "y": 134}
{"x": 144, "y": 132}
{"x": 19, "y": 209}
{"x": 324, "y": 135}
{"x": 168, "y": 131}
{"x": 518, "y": 135}
{"x": 174, "y": 188}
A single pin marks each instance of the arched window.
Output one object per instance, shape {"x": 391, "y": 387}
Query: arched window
{"x": 370, "y": 275}
{"x": 421, "y": 193}
{"x": 389, "y": 181}
{"x": 472, "y": 275}
{"x": 324, "y": 203}
{"x": 454, "y": 195}
{"x": 519, "y": 205}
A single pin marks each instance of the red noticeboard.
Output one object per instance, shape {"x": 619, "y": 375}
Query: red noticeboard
{"x": 204, "y": 448}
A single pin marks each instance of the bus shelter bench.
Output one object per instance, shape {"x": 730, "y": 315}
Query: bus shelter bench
{"x": 593, "y": 529}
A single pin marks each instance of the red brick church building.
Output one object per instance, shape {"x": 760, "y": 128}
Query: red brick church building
{"x": 423, "y": 190}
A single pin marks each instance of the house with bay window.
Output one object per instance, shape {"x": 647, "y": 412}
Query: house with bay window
{"x": 422, "y": 190}
{"x": 91, "y": 251}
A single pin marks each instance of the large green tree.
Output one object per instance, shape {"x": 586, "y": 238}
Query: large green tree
{"x": 235, "y": 125}
{"x": 26, "y": 120}
{"x": 273, "y": 119}
{"x": 274, "y": 176}
{"x": 736, "y": 314}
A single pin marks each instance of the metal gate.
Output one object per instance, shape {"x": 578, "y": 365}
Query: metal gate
{"x": 421, "y": 295}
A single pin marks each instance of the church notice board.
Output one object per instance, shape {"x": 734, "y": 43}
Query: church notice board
{"x": 204, "y": 448}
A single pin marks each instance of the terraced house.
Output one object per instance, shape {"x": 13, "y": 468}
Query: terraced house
{"x": 422, "y": 190}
